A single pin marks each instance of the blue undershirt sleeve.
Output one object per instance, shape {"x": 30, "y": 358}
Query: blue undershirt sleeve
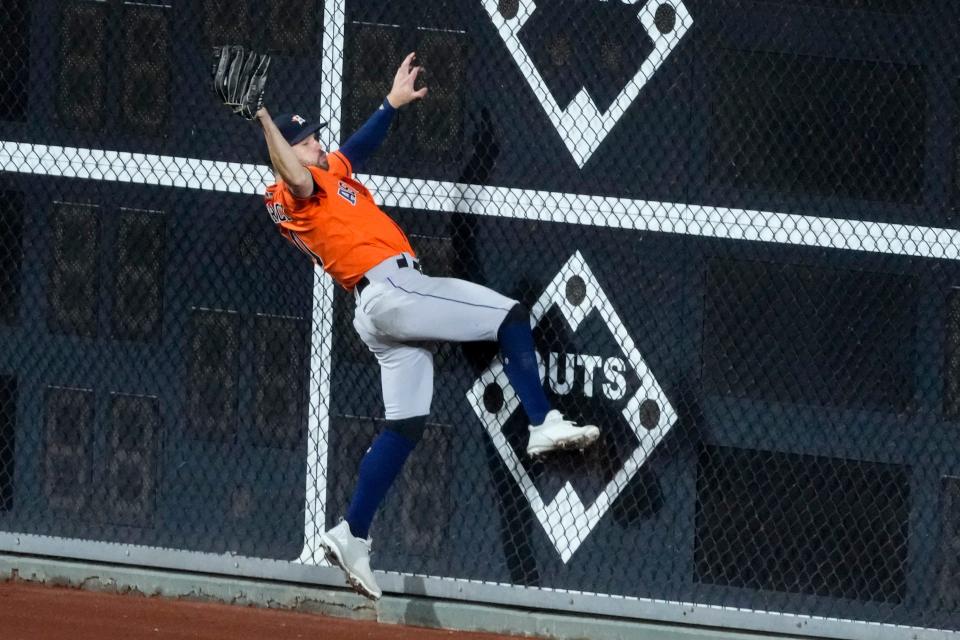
{"x": 368, "y": 138}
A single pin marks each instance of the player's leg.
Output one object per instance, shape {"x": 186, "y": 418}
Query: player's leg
{"x": 406, "y": 374}
{"x": 411, "y": 306}
{"x": 549, "y": 430}
{"x": 406, "y": 377}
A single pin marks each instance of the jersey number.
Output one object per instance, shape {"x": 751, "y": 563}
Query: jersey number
{"x": 277, "y": 214}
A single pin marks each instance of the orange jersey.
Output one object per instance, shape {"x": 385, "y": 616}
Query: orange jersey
{"x": 340, "y": 226}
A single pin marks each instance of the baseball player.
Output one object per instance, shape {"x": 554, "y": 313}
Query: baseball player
{"x": 320, "y": 208}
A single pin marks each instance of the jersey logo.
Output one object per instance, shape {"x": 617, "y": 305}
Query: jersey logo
{"x": 277, "y": 214}
{"x": 348, "y": 193}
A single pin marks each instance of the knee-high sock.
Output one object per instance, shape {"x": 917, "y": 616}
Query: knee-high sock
{"x": 379, "y": 468}
{"x": 520, "y": 363}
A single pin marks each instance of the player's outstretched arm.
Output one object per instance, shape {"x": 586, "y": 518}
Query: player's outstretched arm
{"x": 362, "y": 144}
{"x": 284, "y": 160}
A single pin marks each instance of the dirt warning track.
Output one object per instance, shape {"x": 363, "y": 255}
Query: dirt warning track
{"x": 34, "y": 612}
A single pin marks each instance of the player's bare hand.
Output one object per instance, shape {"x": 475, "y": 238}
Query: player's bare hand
{"x": 403, "y": 91}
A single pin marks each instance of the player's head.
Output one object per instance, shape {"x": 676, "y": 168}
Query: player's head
{"x": 304, "y": 138}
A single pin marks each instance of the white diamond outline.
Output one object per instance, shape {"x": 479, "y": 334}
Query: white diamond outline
{"x": 582, "y": 126}
{"x": 565, "y": 519}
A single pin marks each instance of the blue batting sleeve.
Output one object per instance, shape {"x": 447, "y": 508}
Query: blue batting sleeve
{"x": 368, "y": 138}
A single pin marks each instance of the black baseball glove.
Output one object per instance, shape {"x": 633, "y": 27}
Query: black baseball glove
{"x": 239, "y": 78}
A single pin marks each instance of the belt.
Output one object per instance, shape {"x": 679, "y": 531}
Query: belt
{"x": 402, "y": 263}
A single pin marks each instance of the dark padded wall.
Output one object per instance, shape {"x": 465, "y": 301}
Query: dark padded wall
{"x": 155, "y": 342}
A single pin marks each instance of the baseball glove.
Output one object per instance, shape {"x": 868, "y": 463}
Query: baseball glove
{"x": 239, "y": 78}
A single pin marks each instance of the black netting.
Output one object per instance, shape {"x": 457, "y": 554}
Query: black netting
{"x": 734, "y": 223}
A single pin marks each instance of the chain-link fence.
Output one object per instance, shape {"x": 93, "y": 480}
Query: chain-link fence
{"x": 734, "y": 223}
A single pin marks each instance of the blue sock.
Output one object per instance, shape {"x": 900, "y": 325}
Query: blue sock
{"x": 520, "y": 364}
{"x": 379, "y": 468}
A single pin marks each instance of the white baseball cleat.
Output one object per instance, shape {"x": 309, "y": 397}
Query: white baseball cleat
{"x": 352, "y": 554}
{"x": 557, "y": 433}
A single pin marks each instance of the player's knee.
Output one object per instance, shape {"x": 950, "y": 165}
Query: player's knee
{"x": 410, "y": 428}
{"x": 517, "y": 314}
